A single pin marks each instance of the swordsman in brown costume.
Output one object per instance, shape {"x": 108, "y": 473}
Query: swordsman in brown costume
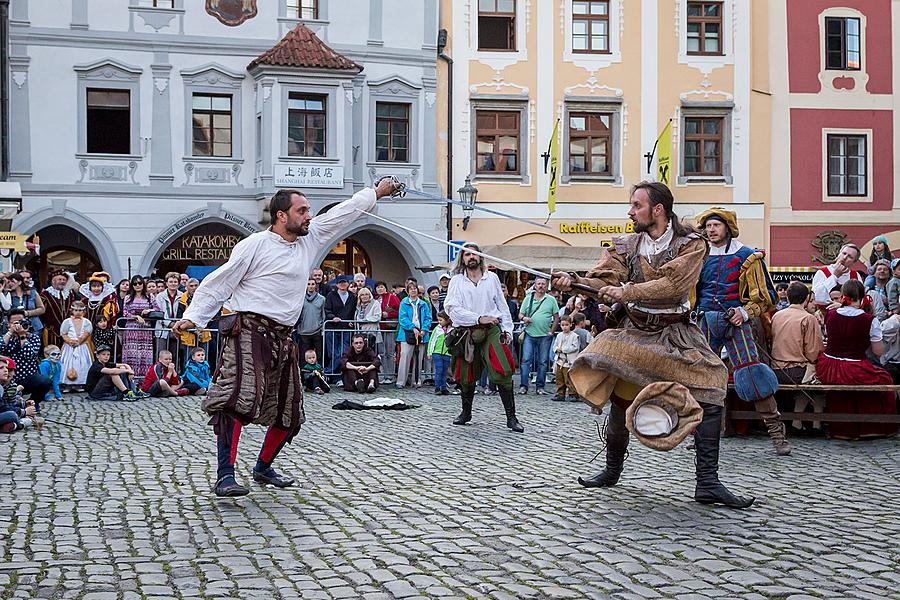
{"x": 57, "y": 300}
{"x": 658, "y": 349}
{"x": 258, "y": 376}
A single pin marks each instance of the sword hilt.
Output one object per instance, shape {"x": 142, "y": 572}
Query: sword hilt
{"x": 400, "y": 191}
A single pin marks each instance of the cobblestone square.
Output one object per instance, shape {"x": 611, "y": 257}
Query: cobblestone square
{"x": 400, "y": 504}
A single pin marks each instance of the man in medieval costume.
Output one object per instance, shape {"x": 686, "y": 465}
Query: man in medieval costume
{"x": 476, "y": 305}
{"x": 258, "y": 375}
{"x": 734, "y": 288}
{"x": 657, "y": 350}
{"x": 58, "y": 301}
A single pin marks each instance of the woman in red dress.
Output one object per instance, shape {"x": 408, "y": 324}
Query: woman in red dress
{"x": 852, "y": 329}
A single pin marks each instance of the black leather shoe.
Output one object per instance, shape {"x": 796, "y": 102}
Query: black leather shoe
{"x": 716, "y": 493}
{"x": 271, "y": 477}
{"x": 227, "y": 487}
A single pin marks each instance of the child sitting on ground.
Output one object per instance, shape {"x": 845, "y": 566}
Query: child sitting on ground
{"x": 162, "y": 379}
{"x": 52, "y": 370}
{"x": 313, "y": 375}
{"x": 107, "y": 380}
{"x": 15, "y": 414}
{"x": 565, "y": 349}
{"x": 440, "y": 355}
{"x": 196, "y": 378}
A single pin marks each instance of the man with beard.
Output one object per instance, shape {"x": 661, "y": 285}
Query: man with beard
{"x": 734, "y": 288}
{"x": 651, "y": 274}
{"x": 475, "y": 302}
{"x": 259, "y": 370}
{"x": 58, "y": 300}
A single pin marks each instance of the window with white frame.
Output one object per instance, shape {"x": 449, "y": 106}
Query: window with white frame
{"x": 590, "y": 143}
{"x": 704, "y": 28}
{"x": 211, "y": 125}
{"x": 842, "y": 44}
{"x": 302, "y": 9}
{"x": 157, "y": 3}
{"x": 704, "y": 143}
{"x": 590, "y": 26}
{"x": 497, "y": 25}
{"x": 306, "y": 124}
{"x": 847, "y": 157}
{"x": 108, "y": 121}
{"x": 392, "y": 132}
{"x": 498, "y": 137}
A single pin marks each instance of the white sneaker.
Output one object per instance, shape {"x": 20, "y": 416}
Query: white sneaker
{"x": 26, "y": 422}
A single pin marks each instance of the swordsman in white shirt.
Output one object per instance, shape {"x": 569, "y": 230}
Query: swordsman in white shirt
{"x": 475, "y": 302}
{"x": 258, "y": 377}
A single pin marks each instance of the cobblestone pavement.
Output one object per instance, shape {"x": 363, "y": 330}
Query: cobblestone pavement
{"x": 402, "y": 504}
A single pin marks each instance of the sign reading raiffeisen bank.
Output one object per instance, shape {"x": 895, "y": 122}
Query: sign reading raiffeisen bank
{"x": 309, "y": 175}
{"x": 595, "y": 227}
{"x": 13, "y": 241}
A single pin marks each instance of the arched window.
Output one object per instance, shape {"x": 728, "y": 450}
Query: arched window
{"x": 347, "y": 258}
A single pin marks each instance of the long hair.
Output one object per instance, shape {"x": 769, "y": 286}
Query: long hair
{"x": 659, "y": 193}
{"x": 129, "y": 297}
{"x": 460, "y": 266}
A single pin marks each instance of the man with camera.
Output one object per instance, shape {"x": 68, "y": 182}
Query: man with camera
{"x": 23, "y": 345}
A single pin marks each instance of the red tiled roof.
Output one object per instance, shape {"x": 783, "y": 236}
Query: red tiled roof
{"x": 302, "y": 48}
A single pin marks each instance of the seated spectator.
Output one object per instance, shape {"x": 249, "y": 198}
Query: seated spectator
{"x": 781, "y": 291}
{"x": 162, "y": 379}
{"x": 22, "y": 345}
{"x": 880, "y": 251}
{"x": 312, "y": 374}
{"x": 359, "y": 366}
{"x": 440, "y": 355}
{"x": 835, "y": 275}
{"x": 796, "y": 345}
{"x": 893, "y": 288}
{"x": 52, "y": 370}
{"x": 852, "y": 330}
{"x": 881, "y": 276}
{"x": 76, "y": 355}
{"x": 197, "y": 377}
{"x": 107, "y": 380}
{"x": 13, "y": 415}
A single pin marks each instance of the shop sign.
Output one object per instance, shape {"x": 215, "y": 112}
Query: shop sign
{"x": 309, "y": 175}
{"x": 200, "y": 215}
{"x": 595, "y": 227}
{"x": 13, "y": 240}
{"x": 789, "y": 274}
{"x": 216, "y": 247}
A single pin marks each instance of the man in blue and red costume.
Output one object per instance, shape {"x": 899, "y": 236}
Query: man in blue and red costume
{"x": 734, "y": 288}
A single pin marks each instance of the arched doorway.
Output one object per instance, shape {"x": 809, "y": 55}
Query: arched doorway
{"x": 63, "y": 247}
{"x": 347, "y": 257}
{"x": 199, "y": 251}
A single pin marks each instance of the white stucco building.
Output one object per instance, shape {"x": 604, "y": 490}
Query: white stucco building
{"x": 148, "y": 135}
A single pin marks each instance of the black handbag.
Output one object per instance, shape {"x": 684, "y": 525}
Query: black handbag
{"x": 456, "y": 341}
{"x": 411, "y": 338}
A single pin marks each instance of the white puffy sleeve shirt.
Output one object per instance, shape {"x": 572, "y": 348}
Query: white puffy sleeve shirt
{"x": 467, "y": 302}
{"x": 267, "y": 274}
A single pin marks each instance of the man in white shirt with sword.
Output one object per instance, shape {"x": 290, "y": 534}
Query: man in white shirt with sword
{"x": 258, "y": 377}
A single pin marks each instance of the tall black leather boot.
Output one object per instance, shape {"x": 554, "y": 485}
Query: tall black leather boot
{"x": 509, "y": 405}
{"x": 466, "y": 415}
{"x": 616, "y": 446}
{"x": 709, "y": 489}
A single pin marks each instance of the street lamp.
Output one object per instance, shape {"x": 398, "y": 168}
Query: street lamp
{"x": 467, "y": 195}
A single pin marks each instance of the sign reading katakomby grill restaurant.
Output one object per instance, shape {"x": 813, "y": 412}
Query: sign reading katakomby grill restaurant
{"x": 309, "y": 175}
{"x": 203, "y": 246}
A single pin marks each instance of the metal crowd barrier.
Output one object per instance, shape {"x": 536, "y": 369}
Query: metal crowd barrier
{"x": 161, "y": 337}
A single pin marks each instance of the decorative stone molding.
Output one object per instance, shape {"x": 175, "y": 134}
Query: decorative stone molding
{"x": 498, "y": 84}
{"x": 156, "y": 18}
{"x": 592, "y": 62}
{"x": 108, "y": 69}
{"x": 592, "y": 87}
{"x": 104, "y": 172}
{"x": 201, "y": 174}
{"x": 841, "y": 83}
{"x": 407, "y": 174}
{"x": 212, "y": 75}
{"x": 395, "y": 86}
{"x": 707, "y": 63}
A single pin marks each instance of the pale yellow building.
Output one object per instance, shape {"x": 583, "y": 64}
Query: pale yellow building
{"x": 613, "y": 73}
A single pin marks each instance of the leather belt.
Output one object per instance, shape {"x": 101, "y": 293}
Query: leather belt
{"x": 656, "y": 321}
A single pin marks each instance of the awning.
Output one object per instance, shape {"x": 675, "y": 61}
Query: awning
{"x": 540, "y": 258}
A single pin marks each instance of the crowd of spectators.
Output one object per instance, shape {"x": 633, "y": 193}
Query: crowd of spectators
{"x": 111, "y": 341}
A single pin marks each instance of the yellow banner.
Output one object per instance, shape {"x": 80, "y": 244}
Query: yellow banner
{"x": 554, "y": 162}
{"x": 664, "y": 154}
{"x": 13, "y": 240}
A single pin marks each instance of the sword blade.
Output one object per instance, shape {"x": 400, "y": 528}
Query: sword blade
{"x": 439, "y": 200}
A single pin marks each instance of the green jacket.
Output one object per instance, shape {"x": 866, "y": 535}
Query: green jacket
{"x": 438, "y": 344}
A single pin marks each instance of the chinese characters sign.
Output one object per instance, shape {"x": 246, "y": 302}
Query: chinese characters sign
{"x": 309, "y": 175}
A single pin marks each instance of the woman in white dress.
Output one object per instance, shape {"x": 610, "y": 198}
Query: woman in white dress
{"x": 76, "y": 355}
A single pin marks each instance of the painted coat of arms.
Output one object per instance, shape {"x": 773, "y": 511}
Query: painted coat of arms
{"x": 828, "y": 243}
{"x": 231, "y": 12}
